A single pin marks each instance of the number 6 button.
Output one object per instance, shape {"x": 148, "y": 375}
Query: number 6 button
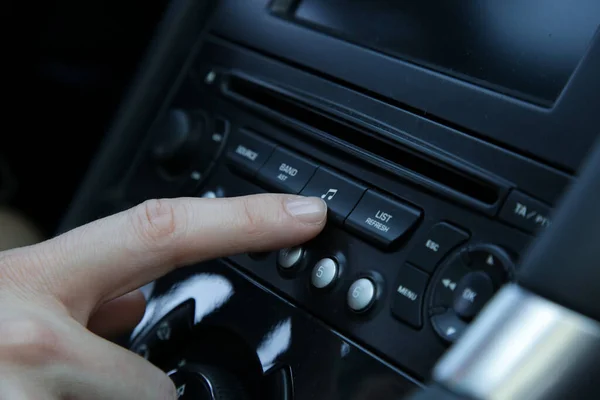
{"x": 361, "y": 295}
{"x": 324, "y": 273}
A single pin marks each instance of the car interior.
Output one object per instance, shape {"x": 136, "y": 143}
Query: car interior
{"x": 455, "y": 144}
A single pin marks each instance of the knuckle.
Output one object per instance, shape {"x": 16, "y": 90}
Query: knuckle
{"x": 159, "y": 221}
{"x": 30, "y": 341}
{"x": 252, "y": 219}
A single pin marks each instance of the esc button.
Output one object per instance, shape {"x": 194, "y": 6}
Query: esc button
{"x": 442, "y": 238}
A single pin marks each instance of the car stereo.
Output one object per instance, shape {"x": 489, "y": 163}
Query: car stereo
{"x": 417, "y": 242}
{"x": 435, "y": 183}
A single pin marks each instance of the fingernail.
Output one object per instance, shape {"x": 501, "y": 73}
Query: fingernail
{"x": 309, "y": 210}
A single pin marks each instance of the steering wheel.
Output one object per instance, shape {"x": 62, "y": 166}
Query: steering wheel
{"x": 538, "y": 338}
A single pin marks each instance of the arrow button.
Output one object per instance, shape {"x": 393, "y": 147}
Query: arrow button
{"x": 446, "y": 283}
{"x": 448, "y": 325}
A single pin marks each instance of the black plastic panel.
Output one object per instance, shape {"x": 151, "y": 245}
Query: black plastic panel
{"x": 561, "y": 135}
{"x": 409, "y": 129}
{"x": 256, "y": 332}
{"x": 525, "y": 49}
{"x": 412, "y": 350}
{"x": 441, "y": 121}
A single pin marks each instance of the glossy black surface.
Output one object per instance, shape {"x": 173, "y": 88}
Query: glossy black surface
{"x": 527, "y": 49}
{"x": 323, "y": 364}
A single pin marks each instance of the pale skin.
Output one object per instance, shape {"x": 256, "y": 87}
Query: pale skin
{"x": 61, "y": 298}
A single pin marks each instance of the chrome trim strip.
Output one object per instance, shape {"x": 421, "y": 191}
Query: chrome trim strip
{"x": 523, "y": 346}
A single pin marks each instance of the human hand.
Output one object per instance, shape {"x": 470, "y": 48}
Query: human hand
{"x": 58, "y": 298}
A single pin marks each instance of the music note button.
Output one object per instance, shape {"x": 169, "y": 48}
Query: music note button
{"x": 339, "y": 192}
{"x": 329, "y": 194}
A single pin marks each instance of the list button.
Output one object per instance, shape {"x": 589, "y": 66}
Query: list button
{"x": 382, "y": 220}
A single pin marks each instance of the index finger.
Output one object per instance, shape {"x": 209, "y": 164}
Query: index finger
{"x": 112, "y": 256}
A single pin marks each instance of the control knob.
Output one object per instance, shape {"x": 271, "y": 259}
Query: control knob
{"x": 464, "y": 285}
{"x": 177, "y": 140}
{"x": 200, "y": 382}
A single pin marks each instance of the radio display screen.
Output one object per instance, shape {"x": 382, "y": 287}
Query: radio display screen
{"x": 524, "y": 48}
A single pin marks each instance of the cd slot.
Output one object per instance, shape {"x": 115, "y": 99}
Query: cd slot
{"x": 419, "y": 167}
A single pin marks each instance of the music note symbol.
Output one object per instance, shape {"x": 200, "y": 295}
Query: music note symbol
{"x": 330, "y": 193}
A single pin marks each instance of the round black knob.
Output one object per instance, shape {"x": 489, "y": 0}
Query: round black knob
{"x": 177, "y": 138}
{"x": 200, "y": 382}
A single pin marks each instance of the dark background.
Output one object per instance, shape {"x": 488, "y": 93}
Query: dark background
{"x": 67, "y": 63}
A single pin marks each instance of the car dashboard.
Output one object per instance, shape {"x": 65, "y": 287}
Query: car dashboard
{"x": 440, "y": 140}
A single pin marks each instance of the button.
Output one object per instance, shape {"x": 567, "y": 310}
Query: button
{"x": 408, "y": 297}
{"x": 492, "y": 260}
{"x": 382, "y": 220}
{"x": 143, "y": 350}
{"x": 287, "y": 171}
{"x": 473, "y": 291}
{"x": 447, "y": 282}
{"x": 249, "y": 152}
{"x": 448, "y": 325}
{"x": 324, "y": 273}
{"x": 361, "y": 295}
{"x": 190, "y": 387}
{"x": 290, "y": 257}
{"x": 214, "y": 139}
{"x": 170, "y": 329}
{"x": 525, "y": 212}
{"x": 340, "y": 193}
{"x": 277, "y": 385}
{"x": 440, "y": 239}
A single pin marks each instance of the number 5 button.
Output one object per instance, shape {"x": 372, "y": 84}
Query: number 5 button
{"x": 324, "y": 273}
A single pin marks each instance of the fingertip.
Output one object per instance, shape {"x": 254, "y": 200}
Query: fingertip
{"x": 307, "y": 210}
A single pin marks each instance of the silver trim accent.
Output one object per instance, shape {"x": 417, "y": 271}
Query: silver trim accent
{"x": 523, "y": 346}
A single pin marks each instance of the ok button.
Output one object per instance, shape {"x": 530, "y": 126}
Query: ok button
{"x": 471, "y": 294}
